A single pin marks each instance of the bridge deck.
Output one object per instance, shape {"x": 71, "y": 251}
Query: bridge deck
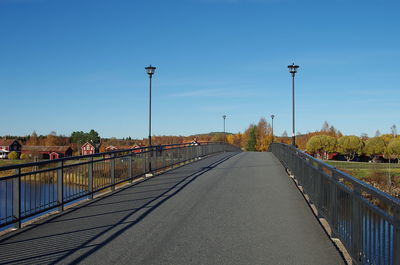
{"x": 220, "y": 210}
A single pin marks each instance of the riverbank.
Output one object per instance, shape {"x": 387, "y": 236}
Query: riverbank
{"x": 383, "y": 176}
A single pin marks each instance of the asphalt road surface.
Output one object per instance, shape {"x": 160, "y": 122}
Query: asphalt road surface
{"x": 232, "y": 208}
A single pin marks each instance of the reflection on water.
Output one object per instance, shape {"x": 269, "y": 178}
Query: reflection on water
{"x": 377, "y": 237}
{"x": 35, "y": 197}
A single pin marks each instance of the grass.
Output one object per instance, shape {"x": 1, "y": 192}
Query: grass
{"x": 364, "y": 170}
{"x": 383, "y": 176}
{"x": 9, "y": 162}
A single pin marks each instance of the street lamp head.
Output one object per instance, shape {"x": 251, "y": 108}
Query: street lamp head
{"x": 293, "y": 68}
{"x": 150, "y": 70}
{"x": 224, "y": 117}
{"x": 272, "y": 116}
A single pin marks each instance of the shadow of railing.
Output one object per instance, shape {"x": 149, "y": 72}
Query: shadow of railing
{"x": 85, "y": 229}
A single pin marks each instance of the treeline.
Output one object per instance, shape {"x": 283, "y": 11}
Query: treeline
{"x": 78, "y": 138}
{"x": 328, "y": 140}
{"x": 386, "y": 146}
{"x": 258, "y": 137}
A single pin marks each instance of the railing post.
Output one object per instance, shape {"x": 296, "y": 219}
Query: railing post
{"x": 60, "y": 186}
{"x": 17, "y": 198}
{"x": 90, "y": 178}
{"x": 130, "y": 167}
{"x": 163, "y": 152}
{"x": 113, "y": 171}
{"x": 319, "y": 196}
{"x": 171, "y": 158}
{"x": 356, "y": 223}
{"x": 396, "y": 236}
{"x": 144, "y": 164}
{"x": 179, "y": 155}
{"x": 333, "y": 203}
{"x": 155, "y": 159}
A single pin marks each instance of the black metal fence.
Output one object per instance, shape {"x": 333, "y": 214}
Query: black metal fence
{"x": 28, "y": 190}
{"x": 365, "y": 219}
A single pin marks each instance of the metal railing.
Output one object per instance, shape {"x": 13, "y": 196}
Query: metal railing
{"x": 365, "y": 219}
{"x": 28, "y": 190}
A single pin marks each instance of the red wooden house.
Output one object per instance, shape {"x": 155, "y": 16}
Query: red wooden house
{"x": 9, "y": 145}
{"x": 47, "y": 152}
{"x": 90, "y": 148}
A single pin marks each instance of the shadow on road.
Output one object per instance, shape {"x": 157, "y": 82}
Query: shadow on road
{"x": 85, "y": 229}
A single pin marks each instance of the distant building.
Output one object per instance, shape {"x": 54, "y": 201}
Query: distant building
{"x": 9, "y": 145}
{"x": 111, "y": 148}
{"x": 90, "y": 148}
{"x": 121, "y": 147}
{"x": 47, "y": 152}
{"x": 137, "y": 148}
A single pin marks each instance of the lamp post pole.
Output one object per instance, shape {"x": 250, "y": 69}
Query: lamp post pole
{"x": 272, "y": 117}
{"x": 224, "y": 117}
{"x": 293, "y": 70}
{"x": 150, "y": 71}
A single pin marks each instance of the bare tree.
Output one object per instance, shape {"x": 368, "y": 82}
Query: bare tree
{"x": 393, "y": 130}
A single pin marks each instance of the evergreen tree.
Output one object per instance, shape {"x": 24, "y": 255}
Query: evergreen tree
{"x": 251, "y": 143}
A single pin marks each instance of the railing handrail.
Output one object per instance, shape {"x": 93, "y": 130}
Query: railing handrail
{"x": 144, "y": 149}
{"x": 353, "y": 180}
{"x": 60, "y": 182}
{"x": 360, "y": 215}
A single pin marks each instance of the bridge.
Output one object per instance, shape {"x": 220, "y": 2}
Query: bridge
{"x": 194, "y": 204}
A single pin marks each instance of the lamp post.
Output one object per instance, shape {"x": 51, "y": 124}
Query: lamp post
{"x": 272, "y": 117}
{"x": 150, "y": 71}
{"x": 224, "y": 117}
{"x": 293, "y": 70}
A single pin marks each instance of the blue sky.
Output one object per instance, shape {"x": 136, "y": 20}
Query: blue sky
{"x": 68, "y": 65}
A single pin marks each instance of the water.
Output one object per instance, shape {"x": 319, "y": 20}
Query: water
{"x": 35, "y": 197}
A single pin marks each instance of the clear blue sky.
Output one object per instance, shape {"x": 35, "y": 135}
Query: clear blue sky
{"x": 68, "y": 65}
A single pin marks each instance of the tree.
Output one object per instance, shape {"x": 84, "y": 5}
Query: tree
{"x": 263, "y": 135}
{"x": 330, "y": 145}
{"x": 93, "y": 136}
{"x": 12, "y": 155}
{"x": 314, "y": 145}
{"x": 322, "y": 145}
{"x": 364, "y": 137}
{"x": 33, "y": 139}
{"x": 81, "y": 137}
{"x": 24, "y": 156}
{"x": 51, "y": 139}
{"x": 234, "y": 139}
{"x": 78, "y": 137}
{"x": 349, "y": 146}
{"x": 325, "y": 127}
{"x": 393, "y": 149}
{"x": 251, "y": 143}
{"x": 218, "y": 137}
{"x": 393, "y": 130}
{"x": 374, "y": 146}
{"x": 377, "y": 133}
